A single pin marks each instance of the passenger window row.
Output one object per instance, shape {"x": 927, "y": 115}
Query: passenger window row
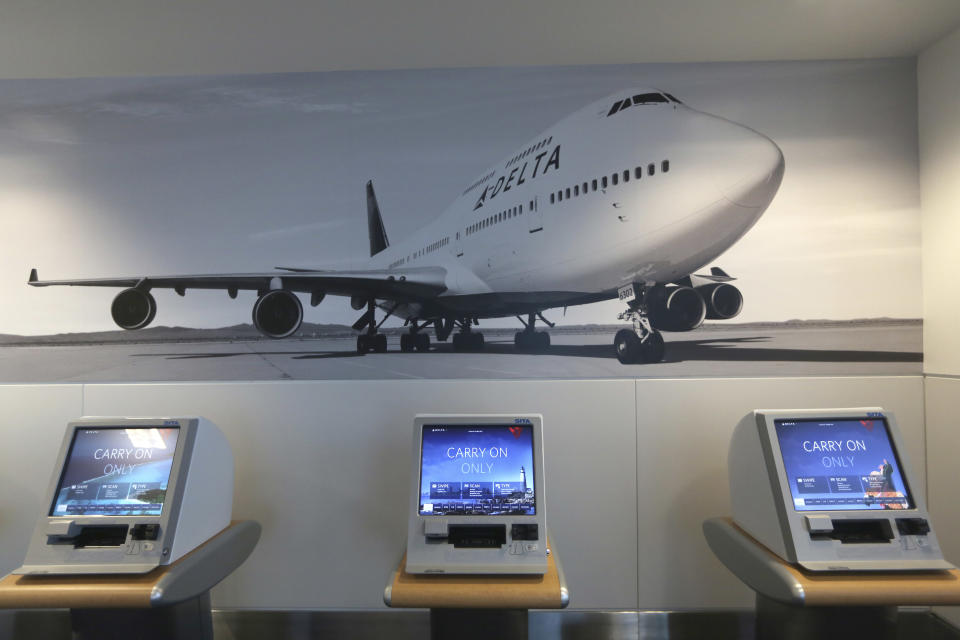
{"x": 430, "y": 248}
{"x": 606, "y": 181}
{"x": 523, "y": 154}
{"x": 489, "y": 221}
{"x": 479, "y": 182}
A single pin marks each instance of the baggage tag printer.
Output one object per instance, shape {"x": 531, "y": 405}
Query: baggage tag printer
{"x": 130, "y": 494}
{"x": 829, "y": 489}
{"x": 477, "y": 499}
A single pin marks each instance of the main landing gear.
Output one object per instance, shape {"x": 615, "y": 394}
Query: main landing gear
{"x": 414, "y": 340}
{"x": 642, "y": 343}
{"x": 529, "y": 339}
{"x": 371, "y": 340}
{"x": 466, "y": 339}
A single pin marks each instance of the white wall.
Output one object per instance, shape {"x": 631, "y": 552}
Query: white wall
{"x": 633, "y": 468}
{"x": 938, "y": 75}
{"x": 939, "y": 125}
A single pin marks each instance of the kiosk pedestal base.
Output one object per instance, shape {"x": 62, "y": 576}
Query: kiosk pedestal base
{"x": 187, "y": 620}
{"x": 169, "y": 603}
{"x": 795, "y": 603}
{"x": 780, "y": 621}
{"x": 478, "y": 624}
{"x": 478, "y": 607}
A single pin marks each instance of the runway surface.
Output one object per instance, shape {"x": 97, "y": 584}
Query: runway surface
{"x": 734, "y": 352}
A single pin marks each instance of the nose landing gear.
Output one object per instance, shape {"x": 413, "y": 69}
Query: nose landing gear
{"x": 642, "y": 343}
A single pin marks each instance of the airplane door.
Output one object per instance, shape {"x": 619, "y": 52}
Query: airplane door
{"x": 535, "y": 219}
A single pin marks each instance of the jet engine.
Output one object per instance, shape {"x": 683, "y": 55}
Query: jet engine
{"x": 673, "y": 308}
{"x": 277, "y": 314}
{"x": 724, "y": 301}
{"x": 133, "y": 309}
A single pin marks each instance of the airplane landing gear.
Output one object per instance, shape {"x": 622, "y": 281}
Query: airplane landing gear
{"x": 467, "y": 340}
{"x": 529, "y": 339}
{"x": 643, "y": 343}
{"x": 413, "y": 339}
{"x": 371, "y": 340}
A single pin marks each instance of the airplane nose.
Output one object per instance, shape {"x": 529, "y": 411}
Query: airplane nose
{"x": 754, "y": 172}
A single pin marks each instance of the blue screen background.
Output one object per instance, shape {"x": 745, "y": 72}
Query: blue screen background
{"x": 827, "y": 480}
{"x": 96, "y": 484}
{"x": 497, "y": 490}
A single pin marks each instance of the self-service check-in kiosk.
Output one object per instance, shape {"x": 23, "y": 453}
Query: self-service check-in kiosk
{"x": 477, "y": 495}
{"x": 135, "y": 530}
{"x": 828, "y": 528}
{"x": 130, "y": 494}
{"x": 830, "y": 490}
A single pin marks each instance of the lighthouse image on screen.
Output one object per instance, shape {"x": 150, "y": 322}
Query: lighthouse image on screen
{"x": 114, "y": 471}
{"x": 841, "y": 465}
{"x": 482, "y": 470}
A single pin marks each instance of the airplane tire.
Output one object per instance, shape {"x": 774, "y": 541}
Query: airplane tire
{"x": 519, "y": 341}
{"x": 653, "y": 348}
{"x": 542, "y": 340}
{"x": 627, "y": 345}
{"x": 476, "y": 341}
{"x": 379, "y": 343}
{"x": 362, "y": 344}
{"x": 408, "y": 342}
{"x": 422, "y": 342}
{"x": 458, "y": 342}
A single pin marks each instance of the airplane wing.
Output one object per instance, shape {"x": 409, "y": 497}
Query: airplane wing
{"x": 402, "y": 285}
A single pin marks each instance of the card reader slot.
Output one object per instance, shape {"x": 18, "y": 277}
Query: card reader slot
{"x": 101, "y": 536}
{"x": 913, "y": 526}
{"x": 477, "y": 536}
{"x": 857, "y": 532}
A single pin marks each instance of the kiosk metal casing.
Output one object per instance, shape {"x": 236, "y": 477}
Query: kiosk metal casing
{"x": 833, "y": 538}
{"x": 197, "y": 504}
{"x": 432, "y": 546}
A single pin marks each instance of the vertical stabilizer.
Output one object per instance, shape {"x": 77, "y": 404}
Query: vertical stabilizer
{"x": 378, "y": 235}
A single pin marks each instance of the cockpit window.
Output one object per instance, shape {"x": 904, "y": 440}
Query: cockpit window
{"x": 672, "y": 99}
{"x": 648, "y": 98}
{"x": 642, "y": 98}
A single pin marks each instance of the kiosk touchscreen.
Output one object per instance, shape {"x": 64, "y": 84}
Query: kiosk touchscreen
{"x": 129, "y": 494}
{"x": 477, "y": 498}
{"x": 830, "y": 490}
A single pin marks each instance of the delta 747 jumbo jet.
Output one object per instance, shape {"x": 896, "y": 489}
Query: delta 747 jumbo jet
{"x": 626, "y": 198}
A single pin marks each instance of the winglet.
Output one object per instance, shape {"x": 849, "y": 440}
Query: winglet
{"x": 717, "y": 271}
{"x": 33, "y": 276}
{"x": 378, "y": 235}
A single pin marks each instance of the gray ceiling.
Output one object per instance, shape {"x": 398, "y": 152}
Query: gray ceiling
{"x": 63, "y": 38}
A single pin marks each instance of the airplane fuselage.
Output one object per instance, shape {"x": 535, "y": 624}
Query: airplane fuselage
{"x": 624, "y": 190}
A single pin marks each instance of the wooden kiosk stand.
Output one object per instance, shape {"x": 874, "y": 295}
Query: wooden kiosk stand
{"x": 468, "y": 607}
{"x": 172, "y": 602}
{"x": 793, "y": 603}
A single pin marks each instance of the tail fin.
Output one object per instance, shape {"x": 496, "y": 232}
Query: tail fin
{"x": 378, "y": 235}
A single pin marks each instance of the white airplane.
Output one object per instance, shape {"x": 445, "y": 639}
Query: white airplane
{"x": 626, "y": 198}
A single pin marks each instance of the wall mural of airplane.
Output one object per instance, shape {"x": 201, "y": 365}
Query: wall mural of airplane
{"x": 627, "y": 198}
